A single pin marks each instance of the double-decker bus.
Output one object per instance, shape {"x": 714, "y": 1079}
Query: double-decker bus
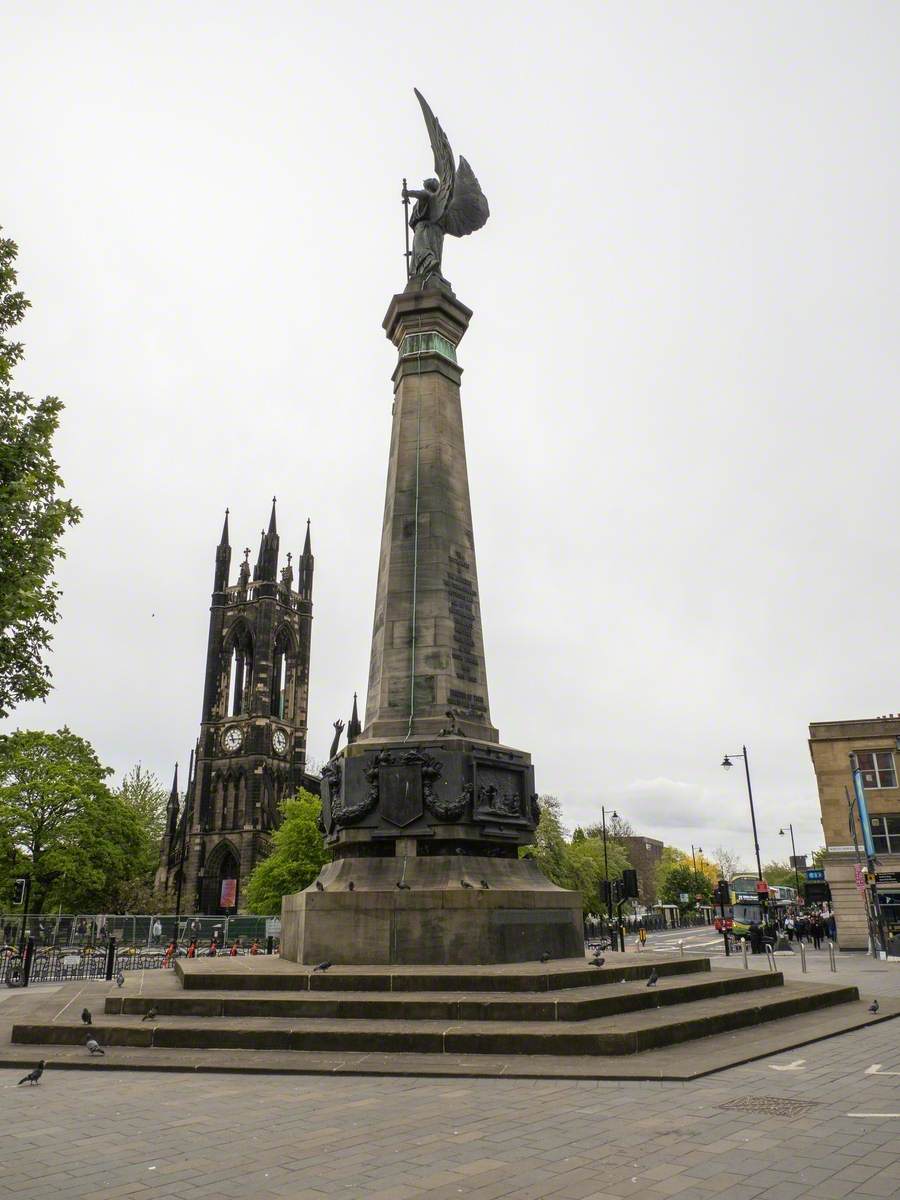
{"x": 746, "y": 905}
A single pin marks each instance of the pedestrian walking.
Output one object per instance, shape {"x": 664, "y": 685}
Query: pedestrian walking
{"x": 816, "y": 931}
{"x": 156, "y": 931}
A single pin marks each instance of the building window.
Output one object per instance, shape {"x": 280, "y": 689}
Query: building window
{"x": 877, "y": 768}
{"x": 886, "y": 834}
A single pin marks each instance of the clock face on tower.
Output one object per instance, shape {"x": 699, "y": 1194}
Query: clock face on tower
{"x": 279, "y": 741}
{"x": 232, "y": 739}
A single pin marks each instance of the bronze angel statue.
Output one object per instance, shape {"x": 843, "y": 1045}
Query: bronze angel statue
{"x": 453, "y": 203}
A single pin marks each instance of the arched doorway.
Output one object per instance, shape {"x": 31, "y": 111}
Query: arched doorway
{"x": 221, "y": 881}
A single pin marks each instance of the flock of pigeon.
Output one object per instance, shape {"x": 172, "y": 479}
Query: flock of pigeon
{"x": 94, "y": 1047}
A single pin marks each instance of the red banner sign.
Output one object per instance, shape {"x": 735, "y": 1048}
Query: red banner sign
{"x": 229, "y": 893}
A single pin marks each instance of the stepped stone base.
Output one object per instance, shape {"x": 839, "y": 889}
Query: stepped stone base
{"x": 433, "y": 918}
{"x": 521, "y": 1018}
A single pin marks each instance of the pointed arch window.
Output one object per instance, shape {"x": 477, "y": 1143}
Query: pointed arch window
{"x": 282, "y": 674}
{"x": 240, "y": 677}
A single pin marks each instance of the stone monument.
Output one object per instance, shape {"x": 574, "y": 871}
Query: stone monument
{"x": 424, "y": 811}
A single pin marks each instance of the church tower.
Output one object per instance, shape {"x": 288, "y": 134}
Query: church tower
{"x": 251, "y": 752}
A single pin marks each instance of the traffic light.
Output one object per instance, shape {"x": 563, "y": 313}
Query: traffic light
{"x": 630, "y": 884}
{"x": 19, "y": 891}
{"x": 722, "y": 893}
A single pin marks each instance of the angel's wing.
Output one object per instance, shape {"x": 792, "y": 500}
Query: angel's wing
{"x": 443, "y": 160}
{"x": 468, "y": 208}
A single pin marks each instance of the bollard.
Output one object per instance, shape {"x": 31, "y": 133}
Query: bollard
{"x": 681, "y": 946}
{"x": 27, "y": 960}
{"x": 802, "y": 958}
{"x": 110, "y": 959}
{"x": 770, "y": 957}
{"x": 832, "y": 962}
{"x": 744, "y": 953}
{"x": 270, "y": 945}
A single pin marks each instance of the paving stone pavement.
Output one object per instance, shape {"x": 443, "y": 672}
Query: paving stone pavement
{"x": 151, "y": 1135}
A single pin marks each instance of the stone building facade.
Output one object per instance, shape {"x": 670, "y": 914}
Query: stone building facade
{"x": 875, "y": 744}
{"x": 251, "y": 752}
{"x": 645, "y": 855}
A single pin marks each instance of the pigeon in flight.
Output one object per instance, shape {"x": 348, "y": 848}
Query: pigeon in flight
{"x": 120, "y": 979}
{"x": 873, "y": 1007}
{"x": 35, "y": 1075}
{"x": 149, "y": 1015}
{"x": 545, "y": 957}
{"x": 464, "y": 883}
{"x": 94, "y": 1046}
{"x": 322, "y": 966}
{"x": 86, "y": 1018}
{"x": 654, "y": 978}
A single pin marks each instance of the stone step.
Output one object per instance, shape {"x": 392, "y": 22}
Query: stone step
{"x": 262, "y": 973}
{"x": 627, "y": 1033}
{"x": 566, "y": 1004}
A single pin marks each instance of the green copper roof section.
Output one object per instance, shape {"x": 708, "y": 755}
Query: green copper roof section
{"x": 427, "y": 342}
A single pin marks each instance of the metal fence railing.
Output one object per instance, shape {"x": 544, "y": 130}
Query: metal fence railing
{"x": 147, "y": 930}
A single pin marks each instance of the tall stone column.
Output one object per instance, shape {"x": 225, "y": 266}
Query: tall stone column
{"x": 427, "y": 645}
{"x": 425, "y": 812}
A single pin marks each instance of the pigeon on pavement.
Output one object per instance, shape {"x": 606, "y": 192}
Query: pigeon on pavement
{"x": 873, "y": 1007}
{"x": 485, "y": 884}
{"x": 86, "y": 1016}
{"x": 464, "y": 883}
{"x": 597, "y": 962}
{"x": 654, "y": 978}
{"x": 404, "y": 887}
{"x": 545, "y": 957}
{"x": 350, "y": 886}
{"x": 120, "y": 979}
{"x": 320, "y": 886}
{"x": 94, "y": 1046}
{"x": 149, "y": 1015}
{"x": 322, "y": 966}
{"x": 33, "y": 1076}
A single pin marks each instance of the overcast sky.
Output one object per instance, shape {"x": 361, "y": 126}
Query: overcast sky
{"x": 680, "y": 387}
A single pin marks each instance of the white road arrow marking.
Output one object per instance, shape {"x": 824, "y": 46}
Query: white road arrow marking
{"x": 875, "y": 1069}
{"x": 794, "y": 1066}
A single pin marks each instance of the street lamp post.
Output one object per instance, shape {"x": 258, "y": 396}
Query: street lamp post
{"x": 794, "y": 854}
{"x": 727, "y": 764}
{"x": 615, "y": 815}
{"x": 699, "y": 850}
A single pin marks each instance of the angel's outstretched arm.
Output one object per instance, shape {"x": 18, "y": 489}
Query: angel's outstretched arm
{"x": 416, "y": 195}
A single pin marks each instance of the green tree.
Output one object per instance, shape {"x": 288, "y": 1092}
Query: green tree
{"x": 549, "y": 849}
{"x": 142, "y": 792}
{"x": 32, "y": 516}
{"x": 577, "y": 865}
{"x": 681, "y": 879}
{"x": 780, "y": 874}
{"x": 77, "y": 841}
{"x": 298, "y": 854}
{"x": 586, "y": 869}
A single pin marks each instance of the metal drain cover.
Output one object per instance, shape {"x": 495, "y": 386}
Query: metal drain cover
{"x": 772, "y": 1106}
